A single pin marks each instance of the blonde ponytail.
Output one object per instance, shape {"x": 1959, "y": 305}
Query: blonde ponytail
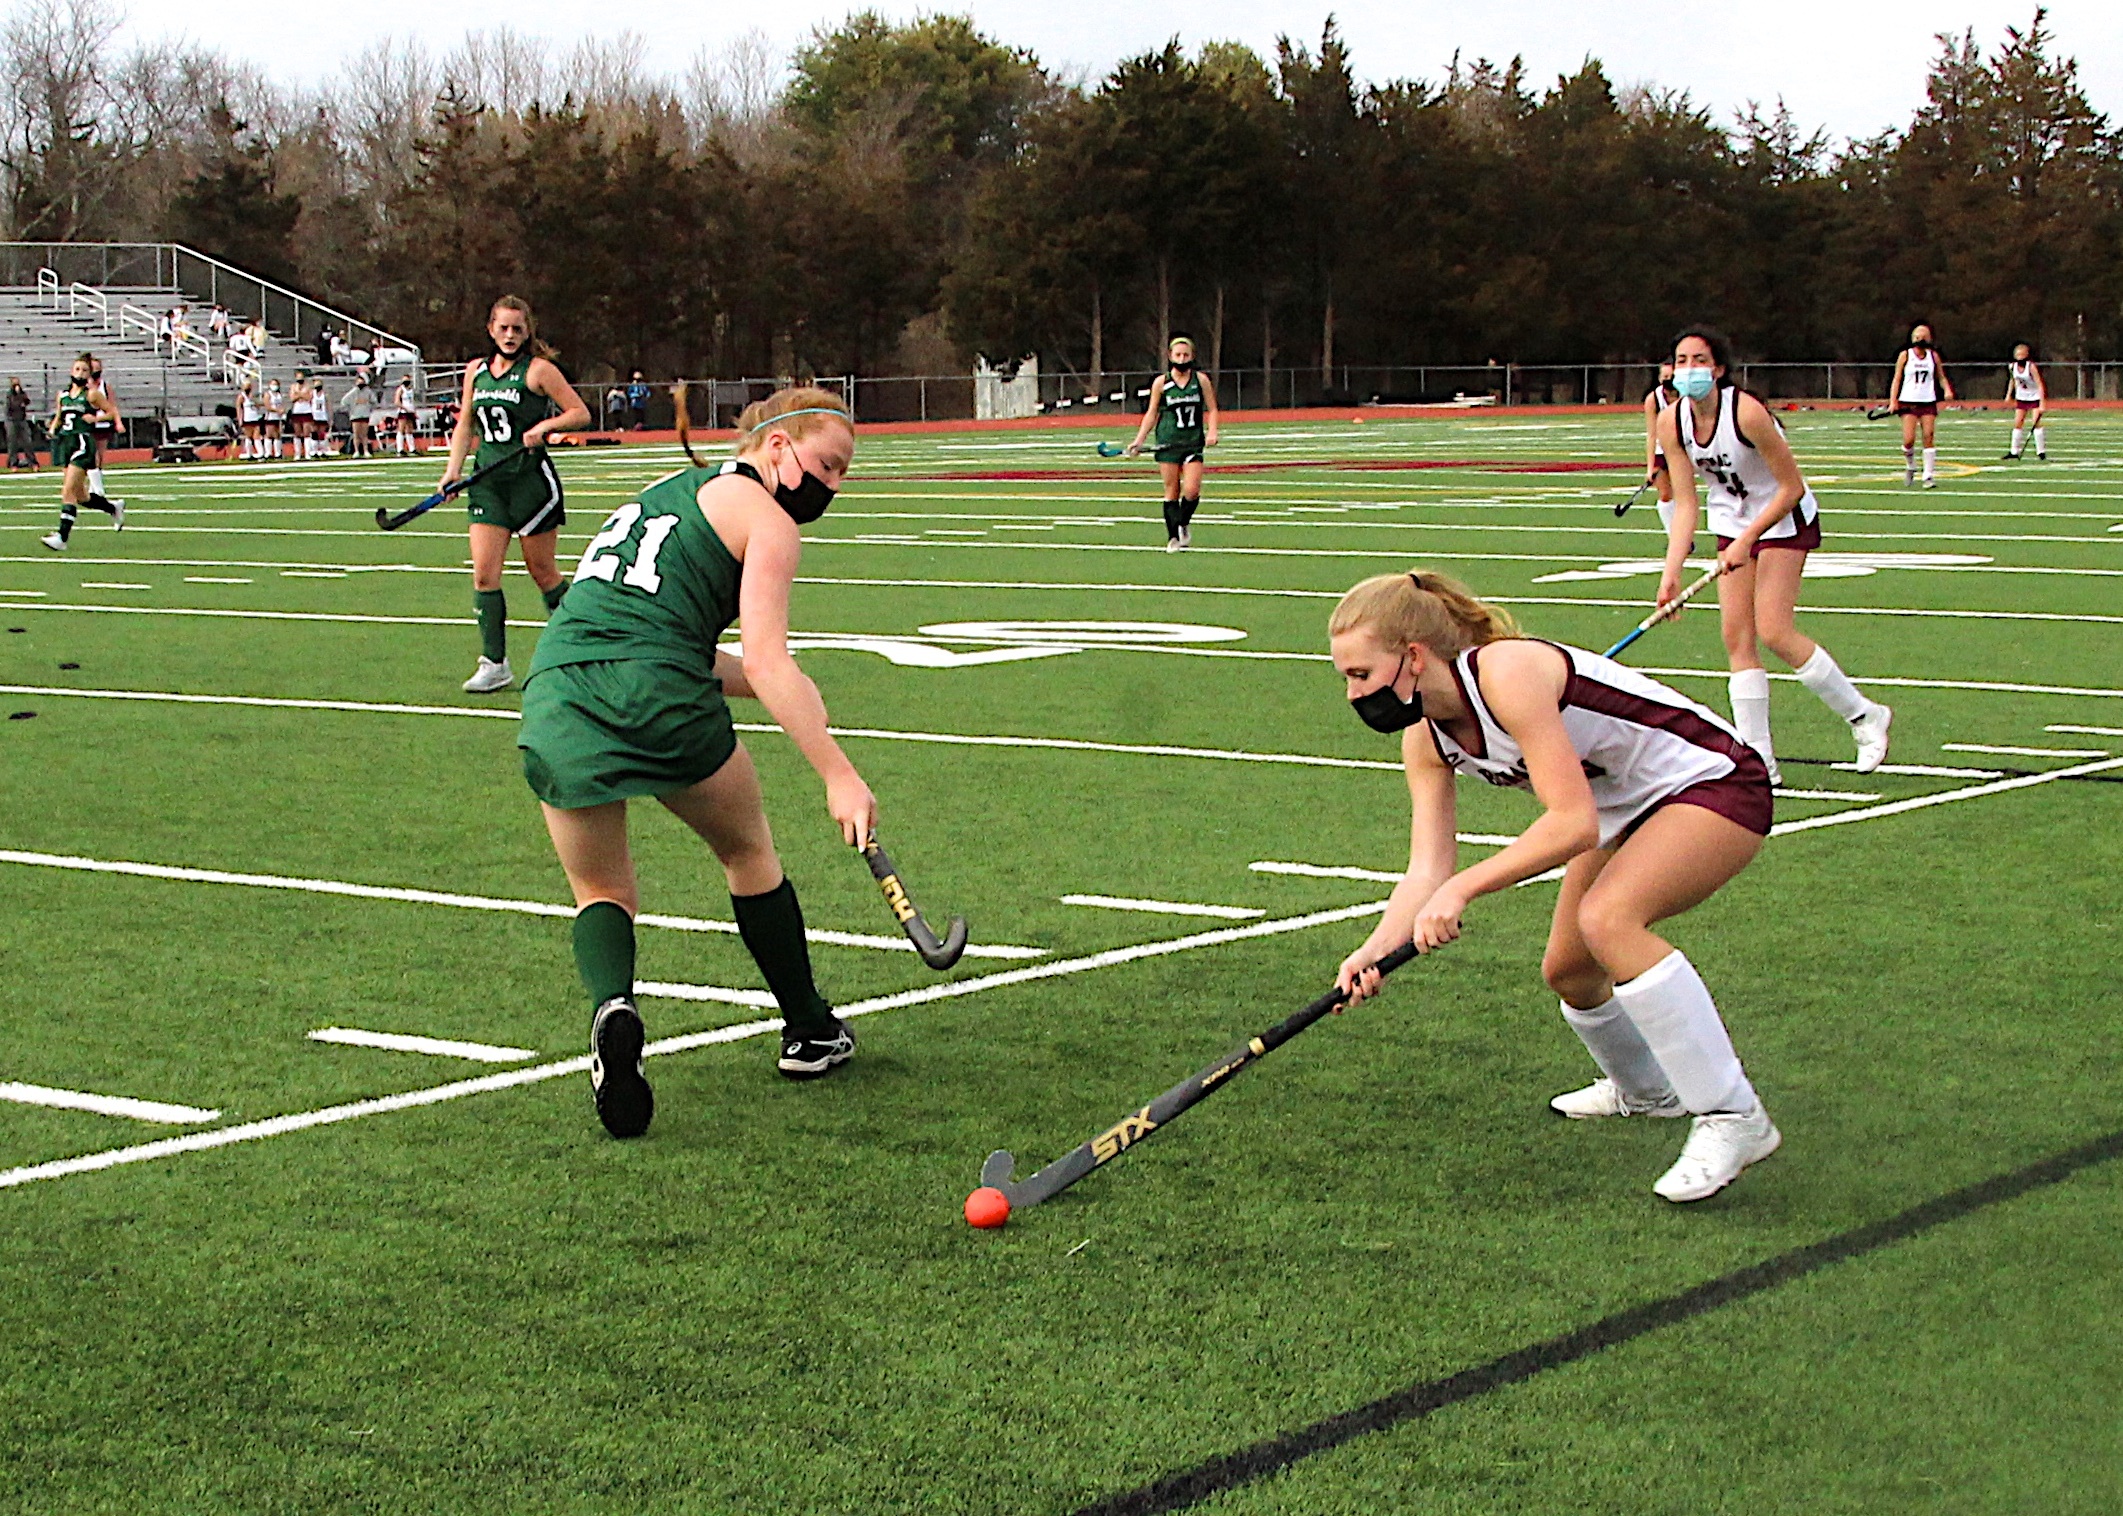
{"x": 1434, "y": 610}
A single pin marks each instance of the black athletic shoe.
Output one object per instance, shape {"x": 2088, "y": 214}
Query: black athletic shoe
{"x": 816, "y": 1056}
{"x": 624, "y": 1100}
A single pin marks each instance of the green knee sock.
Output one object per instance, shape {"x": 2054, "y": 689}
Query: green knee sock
{"x": 493, "y": 608}
{"x": 604, "y": 951}
{"x": 554, "y": 595}
{"x": 772, "y": 928}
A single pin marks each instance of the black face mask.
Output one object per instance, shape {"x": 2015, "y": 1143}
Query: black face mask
{"x": 1922, "y": 347}
{"x": 1384, "y": 711}
{"x": 805, "y": 503}
{"x": 1183, "y": 368}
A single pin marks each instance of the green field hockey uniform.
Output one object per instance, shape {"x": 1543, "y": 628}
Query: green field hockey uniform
{"x": 622, "y": 698}
{"x": 523, "y": 497}
{"x": 1180, "y": 436}
{"x": 74, "y": 438}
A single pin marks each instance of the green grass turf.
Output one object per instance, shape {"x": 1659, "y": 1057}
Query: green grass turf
{"x": 771, "y": 1303}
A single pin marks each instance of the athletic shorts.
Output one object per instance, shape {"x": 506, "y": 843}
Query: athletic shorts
{"x": 1805, "y": 540}
{"x": 1742, "y": 796}
{"x": 1917, "y": 408}
{"x": 525, "y": 498}
{"x": 76, "y": 451}
{"x": 1180, "y": 452}
{"x": 597, "y": 732}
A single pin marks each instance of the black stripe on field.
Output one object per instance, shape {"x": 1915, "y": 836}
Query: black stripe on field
{"x": 1176, "y": 1492}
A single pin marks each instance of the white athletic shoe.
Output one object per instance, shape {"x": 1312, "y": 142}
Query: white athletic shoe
{"x": 117, "y": 515}
{"x": 1603, "y": 1097}
{"x": 53, "y": 541}
{"x": 1931, "y": 484}
{"x": 1186, "y": 537}
{"x": 1172, "y": 544}
{"x": 1718, "y": 1149}
{"x": 1871, "y": 731}
{"x": 489, "y": 676}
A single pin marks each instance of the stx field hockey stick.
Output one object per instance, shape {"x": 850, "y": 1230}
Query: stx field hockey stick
{"x": 391, "y": 523}
{"x": 936, "y": 954}
{"x": 1634, "y": 496}
{"x": 1133, "y": 1128}
{"x": 1667, "y": 611}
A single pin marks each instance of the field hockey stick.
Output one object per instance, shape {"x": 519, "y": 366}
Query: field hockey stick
{"x": 1133, "y": 1128}
{"x": 448, "y": 492}
{"x": 1880, "y": 412}
{"x": 1108, "y": 450}
{"x": 936, "y": 954}
{"x": 1667, "y": 611}
{"x": 1634, "y": 496}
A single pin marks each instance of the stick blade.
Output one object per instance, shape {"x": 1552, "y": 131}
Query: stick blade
{"x": 995, "y": 1173}
{"x": 383, "y": 518}
{"x": 947, "y": 952}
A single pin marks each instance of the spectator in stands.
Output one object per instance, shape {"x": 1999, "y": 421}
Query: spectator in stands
{"x": 21, "y": 452}
{"x": 165, "y": 324}
{"x": 360, "y": 402}
{"x": 638, "y": 401}
{"x": 180, "y": 324}
{"x": 615, "y": 404}
{"x": 258, "y": 336}
{"x": 217, "y": 322}
{"x": 325, "y": 338}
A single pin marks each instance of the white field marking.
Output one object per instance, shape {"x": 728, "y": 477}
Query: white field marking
{"x": 104, "y": 1105}
{"x": 488, "y": 713}
{"x": 38, "y": 593}
{"x": 465, "y": 902}
{"x": 440, "y": 1047}
{"x": 2022, "y": 752}
{"x": 109, "y": 584}
{"x": 1851, "y": 797}
{"x": 1165, "y": 907}
{"x": 313, "y": 573}
{"x": 1992, "y": 686}
{"x": 1924, "y": 771}
{"x": 257, "y": 563}
{"x": 2087, "y": 731}
{"x": 1320, "y": 871}
{"x": 211, "y": 579}
{"x": 1944, "y": 797}
{"x": 279, "y": 1126}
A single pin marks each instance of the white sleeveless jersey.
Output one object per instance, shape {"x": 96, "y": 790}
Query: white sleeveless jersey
{"x": 247, "y": 407}
{"x": 1920, "y": 377}
{"x": 1734, "y": 475}
{"x": 1639, "y": 741}
{"x": 2026, "y": 388}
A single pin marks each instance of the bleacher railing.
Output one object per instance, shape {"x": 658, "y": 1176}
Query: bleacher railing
{"x": 98, "y": 266}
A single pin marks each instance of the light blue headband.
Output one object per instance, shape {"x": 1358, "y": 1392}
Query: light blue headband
{"x": 809, "y": 410}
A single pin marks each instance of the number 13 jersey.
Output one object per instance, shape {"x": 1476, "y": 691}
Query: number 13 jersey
{"x": 1735, "y": 476}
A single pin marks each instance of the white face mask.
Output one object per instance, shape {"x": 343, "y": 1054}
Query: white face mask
{"x": 1695, "y": 383}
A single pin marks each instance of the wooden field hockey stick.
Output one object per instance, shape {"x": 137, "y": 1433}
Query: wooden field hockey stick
{"x": 1667, "y": 611}
{"x": 448, "y": 492}
{"x": 937, "y": 954}
{"x": 1133, "y": 1128}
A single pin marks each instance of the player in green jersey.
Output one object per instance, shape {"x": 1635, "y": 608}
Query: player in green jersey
{"x": 513, "y": 400}
{"x": 625, "y": 698}
{"x": 1182, "y": 411}
{"x": 74, "y": 417}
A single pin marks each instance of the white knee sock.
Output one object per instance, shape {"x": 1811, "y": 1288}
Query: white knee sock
{"x": 1909, "y": 455}
{"x": 1821, "y": 675}
{"x": 1931, "y": 463}
{"x": 95, "y": 481}
{"x": 1620, "y": 1050}
{"x": 2041, "y": 446}
{"x": 2019, "y": 437}
{"x": 1679, "y": 1021}
{"x": 1750, "y": 710}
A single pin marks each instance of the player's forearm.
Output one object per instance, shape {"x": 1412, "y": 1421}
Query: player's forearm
{"x": 1553, "y": 840}
{"x": 796, "y": 706}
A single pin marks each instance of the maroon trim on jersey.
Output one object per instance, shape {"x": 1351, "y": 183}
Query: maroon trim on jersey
{"x": 1475, "y": 707}
{"x": 1589, "y": 694}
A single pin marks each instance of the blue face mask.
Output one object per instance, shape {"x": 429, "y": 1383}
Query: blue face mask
{"x": 1695, "y": 383}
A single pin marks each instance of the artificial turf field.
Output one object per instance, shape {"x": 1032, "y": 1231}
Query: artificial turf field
{"x": 436, "y": 1285}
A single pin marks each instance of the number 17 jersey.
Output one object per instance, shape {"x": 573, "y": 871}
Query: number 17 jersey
{"x": 656, "y": 585}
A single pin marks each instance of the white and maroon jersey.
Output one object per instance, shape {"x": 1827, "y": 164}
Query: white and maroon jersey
{"x": 1667, "y": 396}
{"x": 1920, "y": 377}
{"x": 1735, "y": 477}
{"x": 2026, "y": 383}
{"x": 1639, "y": 741}
{"x": 246, "y": 407}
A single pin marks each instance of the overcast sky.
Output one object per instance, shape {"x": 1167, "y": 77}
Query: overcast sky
{"x": 1854, "y": 66}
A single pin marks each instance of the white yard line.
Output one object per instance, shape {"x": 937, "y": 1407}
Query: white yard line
{"x": 439, "y": 1047}
{"x": 211, "y": 579}
{"x": 464, "y": 902}
{"x": 2022, "y": 752}
{"x": 280, "y": 1126}
{"x": 1165, "y": 907}
{"x": 1848, "y": 797}
{"x": 1924, "y": 771}
{"x": 107, "y": 584}
{"x": 2087, "y": 731}
{"x": 1321, "y": 871}
{"x": 104, "y": 1105}
{"x": 1944, "y": 797}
